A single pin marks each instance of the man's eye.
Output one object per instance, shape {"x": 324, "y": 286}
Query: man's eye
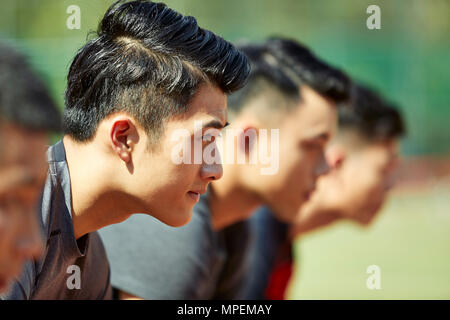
{"x": 311, "y": 145}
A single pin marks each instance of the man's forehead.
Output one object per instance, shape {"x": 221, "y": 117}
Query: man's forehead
{"x": 209, "y": 103}
{"x": 211, "y": 118}
{"x": 208, "y": 97}
{"x": 381, "y": 152}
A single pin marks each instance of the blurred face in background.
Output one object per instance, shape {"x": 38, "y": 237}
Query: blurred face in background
{"x": 359, "y": 181}
{"x": 23, "y": 169}
{"x": 364, "y": 179}
{"x": 303, "y": 134}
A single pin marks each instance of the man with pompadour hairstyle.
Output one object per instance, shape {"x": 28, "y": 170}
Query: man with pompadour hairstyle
{"x": 149, "y": 72}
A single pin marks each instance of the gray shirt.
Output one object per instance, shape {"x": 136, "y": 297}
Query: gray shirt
{"x": 154, "y": 261}
{"x": 66, "y": 262}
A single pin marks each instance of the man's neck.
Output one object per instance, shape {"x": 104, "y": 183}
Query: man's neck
{"x": 95, "y": 203}
{"x": 230, "y": 201}
{"x": 314, "y": 215}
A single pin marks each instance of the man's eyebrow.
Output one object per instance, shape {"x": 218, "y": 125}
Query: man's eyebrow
{"x": 215, "y": 124}
{"x": 322, "y": 136}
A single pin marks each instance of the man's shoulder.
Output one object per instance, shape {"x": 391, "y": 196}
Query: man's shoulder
{"x": 67, "y": 275}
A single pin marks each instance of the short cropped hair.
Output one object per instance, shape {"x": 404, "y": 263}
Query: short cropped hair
{"x": 149, "y": 61}
{"x": 287, "y": 65}
{"x": 371, "y": 116}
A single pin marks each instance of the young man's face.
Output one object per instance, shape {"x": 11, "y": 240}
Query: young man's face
{"x": 363, "y": 180}
{"x": 23, "y": 169}
{"x": 304, "y": 133}
{"x": 169, "y": 190}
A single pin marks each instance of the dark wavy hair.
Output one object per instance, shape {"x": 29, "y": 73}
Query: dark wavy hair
{"x": 149, "y": 61}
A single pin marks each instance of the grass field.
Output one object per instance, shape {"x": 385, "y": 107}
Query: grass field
{"x": 409, "y": 241}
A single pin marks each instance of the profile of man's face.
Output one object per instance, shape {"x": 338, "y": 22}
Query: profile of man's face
{"x": 169, "y": 190}
{"x": 366, "y": 177}
{"x": 23, "y": 169}
{"x": 304, "y": 132}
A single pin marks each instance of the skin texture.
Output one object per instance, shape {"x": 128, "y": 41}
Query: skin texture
{"x": 117, "y": 173}
{"x": 23, "y": 169}
{"x": 356, "y": 187}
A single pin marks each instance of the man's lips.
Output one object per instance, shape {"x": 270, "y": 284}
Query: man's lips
{"x": 195, "y": 195}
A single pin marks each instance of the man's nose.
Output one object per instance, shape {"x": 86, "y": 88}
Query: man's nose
{"x": 211, "y": 172}
{"x": 322, "y": 167}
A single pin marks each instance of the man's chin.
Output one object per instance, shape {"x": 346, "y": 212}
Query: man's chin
{"x": 179, "y": 219}
{"x": 366, "y": 219}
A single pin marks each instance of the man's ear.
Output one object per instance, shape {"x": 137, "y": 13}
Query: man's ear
{"x": 249, "y": 136}
{"x": 335, "y": 156}
{"x": 123, "y": 135}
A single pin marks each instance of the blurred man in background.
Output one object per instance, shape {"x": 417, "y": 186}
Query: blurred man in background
{"x": 27, "y": 116}
{"x": 362, "y": 158}
{"x": 289, "y": 89}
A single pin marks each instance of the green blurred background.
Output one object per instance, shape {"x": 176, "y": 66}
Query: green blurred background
{"x": 407, "y": 60}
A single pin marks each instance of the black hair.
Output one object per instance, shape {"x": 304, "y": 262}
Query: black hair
{"x": 287, "y": 65}
{"x": 308, "y": 69}
{"x": 371, "y": 116}
{"x": 147, "y": 60}
{"x": 264, "y": 74}
{"x": 24, "y": 98}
